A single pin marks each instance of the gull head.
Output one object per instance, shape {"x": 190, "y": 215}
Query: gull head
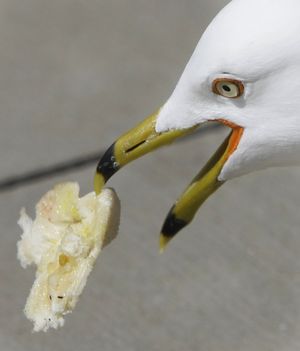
{"x": 251, "y": 51}
{"x": 245, "y": 74}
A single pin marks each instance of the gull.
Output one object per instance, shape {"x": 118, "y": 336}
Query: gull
{"x": 245, "y": 74}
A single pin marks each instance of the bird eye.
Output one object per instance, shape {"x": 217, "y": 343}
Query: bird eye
{"x": 229, "y": 88}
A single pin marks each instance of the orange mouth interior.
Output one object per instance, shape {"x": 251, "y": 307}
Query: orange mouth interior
{"x": 236, "y": 136}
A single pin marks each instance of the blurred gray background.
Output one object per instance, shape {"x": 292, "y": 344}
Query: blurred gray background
{"x": 76, "y": 74}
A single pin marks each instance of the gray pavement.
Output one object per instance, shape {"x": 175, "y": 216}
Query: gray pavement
{"x": 74, "y": 75}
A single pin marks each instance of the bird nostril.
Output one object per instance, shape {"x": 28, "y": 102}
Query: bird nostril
{"x": 135, "y": 146}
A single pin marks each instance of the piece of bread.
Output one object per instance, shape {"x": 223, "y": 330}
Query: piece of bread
{"x": 63, "y": 242}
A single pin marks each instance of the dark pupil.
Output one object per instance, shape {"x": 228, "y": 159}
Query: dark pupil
{"x": 226, "y": 88}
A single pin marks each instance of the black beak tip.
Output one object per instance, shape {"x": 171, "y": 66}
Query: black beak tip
{"x": 172, "y": 225}
{"x": 108, "y": 165}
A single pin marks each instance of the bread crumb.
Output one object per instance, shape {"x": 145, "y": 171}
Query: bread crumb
{"x": 63, "y": 241}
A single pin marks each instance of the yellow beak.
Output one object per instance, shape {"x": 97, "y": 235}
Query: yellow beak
{"x": 143, "y": 139}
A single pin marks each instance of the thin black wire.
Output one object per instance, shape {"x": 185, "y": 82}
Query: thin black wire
{"x": 14, "y": 181}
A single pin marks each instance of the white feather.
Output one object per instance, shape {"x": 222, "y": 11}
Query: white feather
{"x": 258, "y": 42}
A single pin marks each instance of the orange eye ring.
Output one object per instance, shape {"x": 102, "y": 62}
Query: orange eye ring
{"x": 229, "y": 88}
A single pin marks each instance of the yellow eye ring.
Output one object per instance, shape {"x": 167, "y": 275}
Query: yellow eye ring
{"x": 229, "y": 88}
